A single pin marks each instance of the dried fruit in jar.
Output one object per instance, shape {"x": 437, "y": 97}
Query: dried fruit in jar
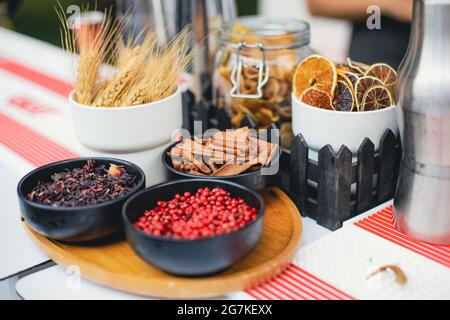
{"x": 274, "y": 106}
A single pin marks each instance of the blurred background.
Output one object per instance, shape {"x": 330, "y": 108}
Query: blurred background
{"x": 338, "y": 27}
{"x": 37, "y": 18}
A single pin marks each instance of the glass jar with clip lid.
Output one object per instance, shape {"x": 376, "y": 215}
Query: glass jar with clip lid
{"x": 254, "y": 68}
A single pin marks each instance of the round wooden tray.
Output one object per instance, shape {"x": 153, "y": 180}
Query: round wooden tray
{"x": 117, "y": 266}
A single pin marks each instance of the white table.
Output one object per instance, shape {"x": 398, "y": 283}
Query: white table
{"x": 58, "y": 283}
{"x": 17, "y": 252}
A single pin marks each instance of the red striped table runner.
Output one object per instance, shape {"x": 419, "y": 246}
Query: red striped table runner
{"x": 25, "y": 142}
{"x": 48, "y": 82}
{"x": 30, "y": 144}
{"x": 295, "y": 283}
{"x": 382, "y": 225}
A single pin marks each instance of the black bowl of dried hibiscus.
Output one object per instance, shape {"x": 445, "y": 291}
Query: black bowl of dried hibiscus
{"x": 194, "y": 227}
{"x": 79, "y": 199}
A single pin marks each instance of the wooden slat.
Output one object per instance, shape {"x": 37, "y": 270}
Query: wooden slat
{"x": 364, "y": 176}
{"x": 335, "y": 173}
{"x": 326, "y": 195}
{"x": 344, "y": 183}
{"x": 298, "y": 168}
{"x": 313, "y": 170}
{"x": 386, "y": 183}
{"x": 284, "y": 174}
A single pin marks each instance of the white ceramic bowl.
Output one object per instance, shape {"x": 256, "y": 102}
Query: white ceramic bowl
{"x": 127, "y": 129}
{"x": 320, "y": 127}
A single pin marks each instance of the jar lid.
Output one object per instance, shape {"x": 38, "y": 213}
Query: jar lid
{"x": 273, "y": 33}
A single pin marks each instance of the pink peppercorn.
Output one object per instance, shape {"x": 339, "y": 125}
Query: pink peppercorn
{"x": 191, "y": 216}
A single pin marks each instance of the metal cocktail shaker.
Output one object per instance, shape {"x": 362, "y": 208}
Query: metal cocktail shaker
{"x": 422, "y": 200}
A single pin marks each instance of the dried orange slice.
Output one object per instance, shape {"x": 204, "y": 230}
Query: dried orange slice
{"x": 375, "y": 98}
{"x": 362, "y": 85}
{"x": 343, "y": 98}
{"x": 382, "y": 72}
{"x": 317, "y": 98}
{"x": 346, "y": 79}
{"x": 359, "y": 67}
{"x": 353, "y": 77}
{"x": 342, "y": 69}
{"x": 348, "y": 76}
{"x": 385, "y": 74}
{"x": 348, "y": 73}
{"x": 315, "y": 71}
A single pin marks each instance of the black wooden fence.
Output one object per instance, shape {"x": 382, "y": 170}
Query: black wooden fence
{"x": 321, "y": 189}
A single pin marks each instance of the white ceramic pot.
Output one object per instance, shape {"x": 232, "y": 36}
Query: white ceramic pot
{"x": 127, "y": 129}
{"x": 320, "y": 127}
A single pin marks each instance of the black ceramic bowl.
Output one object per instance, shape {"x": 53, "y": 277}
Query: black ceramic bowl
{"x": 199, "y": 257}
{"x": 74, "y": 224}
{"x": 254, "y": 180}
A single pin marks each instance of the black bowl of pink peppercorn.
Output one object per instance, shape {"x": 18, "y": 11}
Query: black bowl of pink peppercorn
{"x": 184, "y": 252}
{"x": 92, "y": 219}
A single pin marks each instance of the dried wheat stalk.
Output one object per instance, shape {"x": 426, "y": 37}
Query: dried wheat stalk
{"x": 144, "y": 73}
{"x": 163, "y": 71}
{"x": 118, "y": 84}
{"x": 93, "y": 47}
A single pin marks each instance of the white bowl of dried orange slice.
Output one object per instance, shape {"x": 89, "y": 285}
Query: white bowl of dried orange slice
{"x": 341, "y": 104}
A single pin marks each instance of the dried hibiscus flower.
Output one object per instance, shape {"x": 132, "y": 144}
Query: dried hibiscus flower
{"x": 84, "y": 186}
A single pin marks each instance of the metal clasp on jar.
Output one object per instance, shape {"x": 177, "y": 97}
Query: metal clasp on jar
{"x": 236, "y": 73}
